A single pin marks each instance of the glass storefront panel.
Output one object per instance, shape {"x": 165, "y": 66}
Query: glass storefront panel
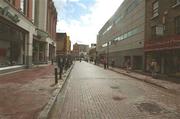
{"x": 11, "y": 46}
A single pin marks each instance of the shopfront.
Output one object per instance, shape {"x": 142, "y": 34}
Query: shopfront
{"x": 167, "y": 55}
{"x": 12, "y": 44}
{"x": 39, "y": 51}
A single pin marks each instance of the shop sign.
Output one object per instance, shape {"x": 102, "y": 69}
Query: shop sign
{"x": 168, "y": 43}
{"x": 5, "y": 12}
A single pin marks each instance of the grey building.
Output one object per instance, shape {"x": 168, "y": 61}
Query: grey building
{"x": 122, "y": 36}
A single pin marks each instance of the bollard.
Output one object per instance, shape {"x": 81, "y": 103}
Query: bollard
{"x": 60, "y": 72}
{"x": 56, "y": 76}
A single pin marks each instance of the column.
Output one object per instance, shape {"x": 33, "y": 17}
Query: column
{"x": 47, "y": 52}
{"x": 28, "y": 49}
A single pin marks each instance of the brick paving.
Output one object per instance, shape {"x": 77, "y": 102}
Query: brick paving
{"x": 173, "y": 87}
{"x": 25, "y": 93}
{"x": 95, "y": 93}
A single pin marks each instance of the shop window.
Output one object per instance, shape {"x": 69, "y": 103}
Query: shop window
{"x": 177, "y": 24}
{"x": 155, "y": 9}
{"x": 153, "y": 32}
{"x": 12, "y": 46}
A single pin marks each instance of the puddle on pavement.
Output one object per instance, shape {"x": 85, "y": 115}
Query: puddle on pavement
{"x": 151, "y": 108}
{"x": 155, "y": 109}
{"x": 115, "y": 87}
{"x": 117, "y": 98}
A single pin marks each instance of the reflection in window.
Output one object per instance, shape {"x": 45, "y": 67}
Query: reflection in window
{"x": 11, "y": 46}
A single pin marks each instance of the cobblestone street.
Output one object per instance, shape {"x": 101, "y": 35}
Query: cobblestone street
{"x": 94, "y": 93}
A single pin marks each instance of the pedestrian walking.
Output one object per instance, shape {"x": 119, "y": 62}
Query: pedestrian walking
{"x": 112, "y": 63}
{"x": 128, "y": 65}
{"x": 105, "y": 62}
{"x": 60, "y": 65}
{"x": 154, "y": 68}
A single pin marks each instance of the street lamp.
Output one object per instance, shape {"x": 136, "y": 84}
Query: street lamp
{"x": 107, "y": 54}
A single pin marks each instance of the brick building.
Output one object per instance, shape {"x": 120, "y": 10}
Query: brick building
{"x": 75, "y": 50}
{"x": 27, "y": 32}
{"x": 80, "y": 50}
{"x": 162, "y": 36}
{"x": 63, "y": 44}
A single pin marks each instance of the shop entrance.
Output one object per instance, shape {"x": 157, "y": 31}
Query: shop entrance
{"x": 137, "y": 62}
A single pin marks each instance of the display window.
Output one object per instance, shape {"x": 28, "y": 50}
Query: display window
{"x": 12, "y": 46}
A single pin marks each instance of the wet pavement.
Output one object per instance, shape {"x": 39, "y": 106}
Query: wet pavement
{"x": 23, "y": 94}
{"x": 94, "y": 93}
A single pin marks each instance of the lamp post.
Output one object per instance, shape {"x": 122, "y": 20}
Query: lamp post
{"x": 107, "y": 54}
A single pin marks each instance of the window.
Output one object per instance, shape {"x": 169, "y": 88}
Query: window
{"x": 133, "y": 5}
{"x": 24, "y": 6}
{"x": 177, "y": 24}
{"x": 11, "y": 2}
{"x": 155, "y": 10}
{"x": 153, "y": 32}
{"x": 105, "y": 45}
{"x": 125, "y": 36}
{"x": 175, "y": 3}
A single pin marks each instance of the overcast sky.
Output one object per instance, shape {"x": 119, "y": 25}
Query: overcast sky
{"x": 82, "y": 19}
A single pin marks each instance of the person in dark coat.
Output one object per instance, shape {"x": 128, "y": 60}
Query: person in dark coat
{"x": 60, "y": 65}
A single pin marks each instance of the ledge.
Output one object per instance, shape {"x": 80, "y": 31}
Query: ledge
{"x": 177, "y": 4}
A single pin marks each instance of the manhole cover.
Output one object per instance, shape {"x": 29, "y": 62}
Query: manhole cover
{"x": 151, "y": 108}
{"x": 117, "y": 98}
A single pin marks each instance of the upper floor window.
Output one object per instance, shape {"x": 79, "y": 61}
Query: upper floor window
{"x": 11, "y": 2}
{"x": 177, "y": 24}
{"x": 155, "y": 9}
{"x": 175, "y": 3}
{"x": 24, "y": 6}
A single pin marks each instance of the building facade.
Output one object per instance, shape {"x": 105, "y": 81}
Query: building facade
{"x": 80, "y": 51}
{"x": 75, "y": 51}
{"x": 122, "y": 36}
{"x": 63, "y": 44}
{"x": 18, "y": 32}
{"x": 162, "y": 42}
{"x": 44, "y": 42}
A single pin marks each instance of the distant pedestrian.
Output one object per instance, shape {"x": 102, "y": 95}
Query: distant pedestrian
{"x": 128, "y": 65}
{"x": 112, "y": 63}
{"x": 154, "y": 68}
{"x": 105, "y": 62}
{"x": 60, "y": 65}
{"x": 52, "y": 61}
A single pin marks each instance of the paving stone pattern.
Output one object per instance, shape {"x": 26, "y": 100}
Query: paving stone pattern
{"x": 95, "y": 93}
